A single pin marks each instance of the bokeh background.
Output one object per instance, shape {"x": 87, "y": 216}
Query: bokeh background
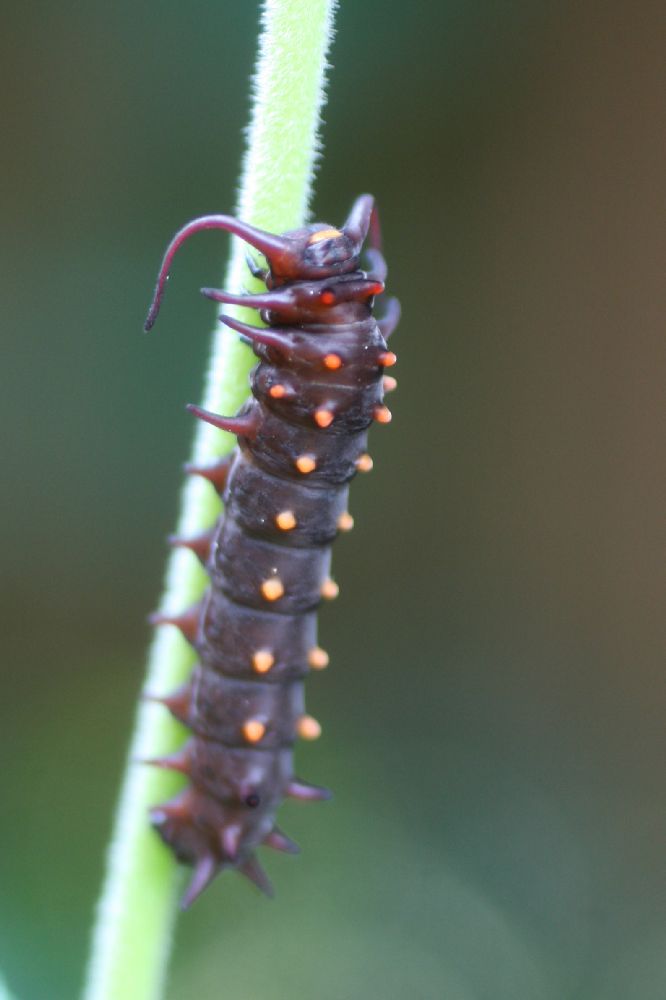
{"x": 493, "y": 715}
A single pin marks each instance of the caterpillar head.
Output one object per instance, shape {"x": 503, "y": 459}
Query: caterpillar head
{"x": 315, "y": 251}
{"x": 320, "y": 250}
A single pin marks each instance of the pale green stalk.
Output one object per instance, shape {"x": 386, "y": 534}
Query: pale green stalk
{"x": 4, "y": 990}
{"x": 137, "y": 908}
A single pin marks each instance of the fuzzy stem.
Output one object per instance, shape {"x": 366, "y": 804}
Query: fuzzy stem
{"x": 136, "y": 912}
{"x": 4, "y": 990}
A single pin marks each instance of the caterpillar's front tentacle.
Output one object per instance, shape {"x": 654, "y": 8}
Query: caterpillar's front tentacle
{"x": 276, "y": 249}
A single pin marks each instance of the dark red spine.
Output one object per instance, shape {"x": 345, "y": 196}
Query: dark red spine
{"x": 302, "y": 436}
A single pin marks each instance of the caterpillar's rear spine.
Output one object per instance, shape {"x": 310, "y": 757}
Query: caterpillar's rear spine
{"x": 302, "y": 436}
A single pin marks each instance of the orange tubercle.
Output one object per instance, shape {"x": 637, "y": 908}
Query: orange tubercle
{"x": 306, "y": 463}
{"x": 332, "y": 362}
{"x": 272, "y": 589}
{"x": 308, "y": 728}
{"x": 389, "y": 383}
{"x": 318, "y": 658}
{"x": 253, "y": 730}
{"x": 262, "y": 661}
{"x": 285, "y": 520}
{"x": 277, "y": 391}
{"x": 383, "y": 415}
{"x": 345, "y": 522}
{"x": 329, "y": 589}
{"x": 387, "y": 359}
{"x": 364, "y": 462}
{"x": 323, "y": 417}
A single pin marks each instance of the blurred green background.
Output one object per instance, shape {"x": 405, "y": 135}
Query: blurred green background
{"x": 493, "y": 716}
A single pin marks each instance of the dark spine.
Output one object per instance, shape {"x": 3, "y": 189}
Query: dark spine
{"x": 301, "y": 438}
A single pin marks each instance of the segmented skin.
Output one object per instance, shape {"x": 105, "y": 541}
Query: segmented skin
{"x": 302, "y": 436}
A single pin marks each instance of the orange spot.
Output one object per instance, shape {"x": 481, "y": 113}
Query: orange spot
{"x": 318, "y": 658}
{"x": 389, "y": 383}
{"x": 324, "y": 234}
{"x": 332, "y": 361}
{"x": 277, "y": 391}
{"x": 285, "y": 520}
{"x": 308, "y": 728}
{"x": 272, "y": 589}
{"x": 383, "y": 415}
{"x": 306, "y": 463}
{"x": 364, "y": 463}
{"x": 253, "y": 730}
{"x": 329, "y": 589}
{"x": 387, "y": 359}
{"x": 327, "y": 298}
{"x": 323, "y": 417}
{"x": 345, "y": 522}
{"x": 262, "y": 661}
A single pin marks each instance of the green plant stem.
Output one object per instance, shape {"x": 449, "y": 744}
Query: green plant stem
{"x": 4, "y": 990}
{"x": 136, "y": 912}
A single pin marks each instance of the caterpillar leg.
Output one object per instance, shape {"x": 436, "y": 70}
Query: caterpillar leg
{"x": 256, "y": 270}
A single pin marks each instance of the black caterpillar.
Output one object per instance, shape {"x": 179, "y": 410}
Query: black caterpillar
{"x": 318, "y": 386}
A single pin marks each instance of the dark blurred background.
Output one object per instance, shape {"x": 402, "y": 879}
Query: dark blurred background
{"x": 493, "y": 718}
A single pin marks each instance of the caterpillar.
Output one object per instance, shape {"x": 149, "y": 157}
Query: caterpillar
{"x": 301, "y": 437}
